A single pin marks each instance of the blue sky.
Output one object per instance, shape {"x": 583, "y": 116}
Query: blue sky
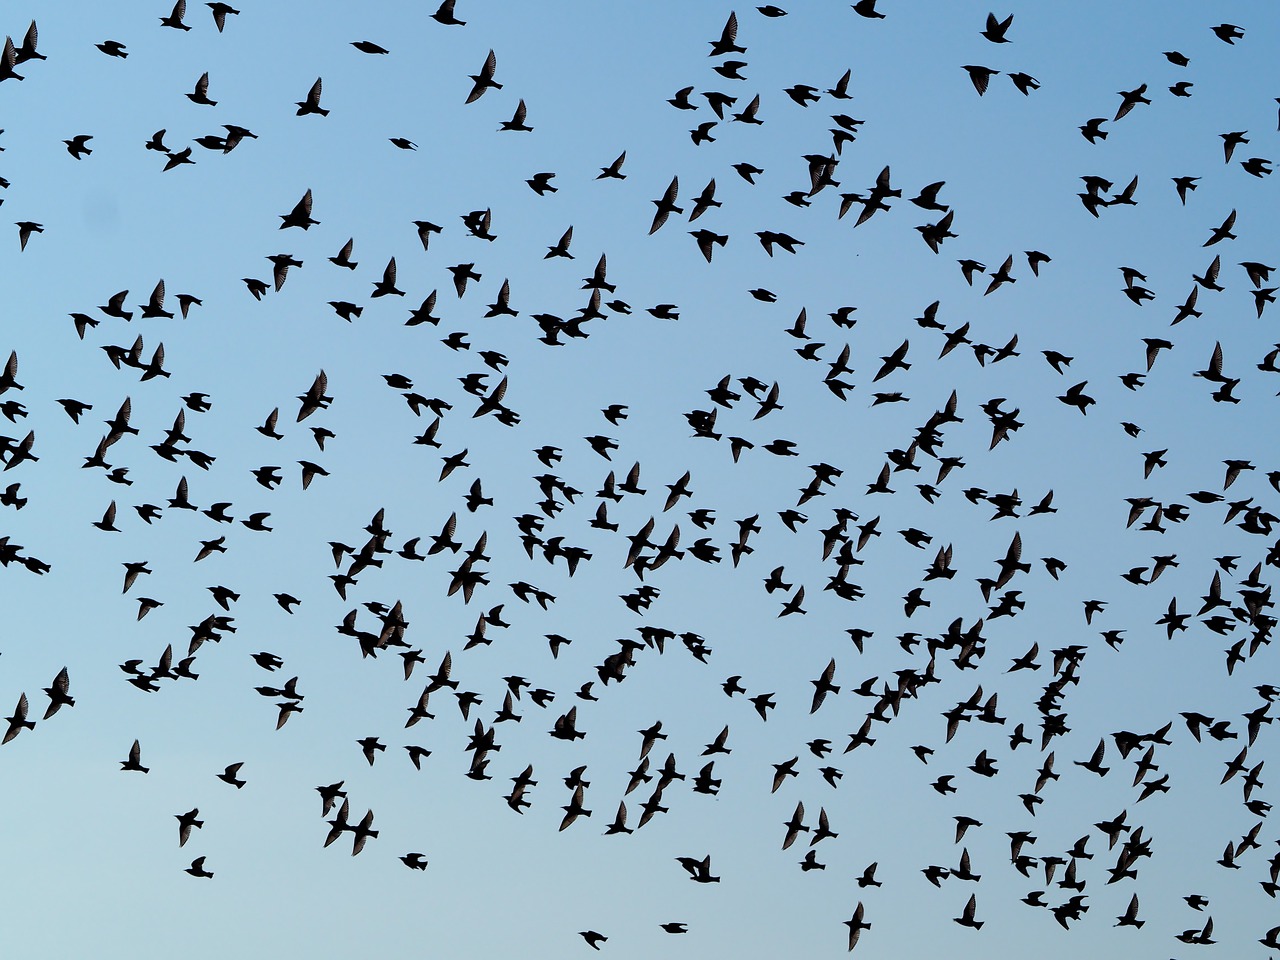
{"x": 94, "y": 851}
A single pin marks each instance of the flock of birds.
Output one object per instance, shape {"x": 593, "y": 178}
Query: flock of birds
{"x": 682, "y": 528}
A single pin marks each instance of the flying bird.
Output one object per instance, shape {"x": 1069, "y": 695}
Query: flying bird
{"x": 312, "y": 102}
{"x": 483, "y": 81}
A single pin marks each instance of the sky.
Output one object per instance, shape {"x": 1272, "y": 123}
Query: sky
{"x": 93, "y": 852}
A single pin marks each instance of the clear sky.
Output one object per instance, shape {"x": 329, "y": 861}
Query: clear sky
{"x": 92, "y": 850}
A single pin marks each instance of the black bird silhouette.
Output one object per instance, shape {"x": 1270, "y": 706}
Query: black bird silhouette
{"x": 27, "y": 227}
{"x": 1130, "y": 99}
{"x": 445, "y": 15}
{"x": 996, "y": 29}
{"x": 1092, "y": 130}
{"x": 58, "y": 694}
{"x": 1228, "y": 33}
{"x": 186, "y": 823}
{"x": 312, "y": 103}
{"x": 78, "y": 146}
{"x": 614, "y": 170}
{"x": 201, "y": 93}
{"x": 175, "y": 18}
{"x": 483, "y": 80}
{"x": 300, "y": 216}
{"x": 220, "y": 12}
{"x": 593, "y": 938}
{"x": 197, "y": 869}
{"x": 980, "y": 77}
{"x": 517, "y": 121}
{"x": 666, "y": 205}
{"x": 134, "y": 763}
{"x": 728, "y": 39}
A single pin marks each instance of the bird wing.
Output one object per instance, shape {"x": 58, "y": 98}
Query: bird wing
{"x": 729, "y": 36}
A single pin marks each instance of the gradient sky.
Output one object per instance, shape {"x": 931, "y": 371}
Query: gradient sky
{"x": 92, "y": 851}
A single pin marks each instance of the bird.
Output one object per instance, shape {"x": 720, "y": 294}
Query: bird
{"x": 1223, "y": 231}
{"x": 179, "y": 158}
{"x": 1184, "y": 185}
{"x": 1129, "y": 100}
{"x": 483, "y": 81}
{"x": 186, "y": 823}
{"x": 175, "y": 18}
{"x": 1001, "y": 276}
{"x": 300, "y": 216}
{"x": 1092, "y": 130}
{"x": 343, "y": 259}
{"x": 517, "y": 121}
{"x": 1076, "y": 397}
{"x": 311, "y": 104}
{"x": 27, "y": 227}
{"x": 370, "y": 747}
{"x": 614, "y": 170}
{"x": 561, "y": 247}
{"x": 1228, "y": 33}
{"x": 699, "y": 870}
{"x": 980, "y": 77}
{"x": 197, "y": 869}
{"x": 58, "y": 694}
{"x": 131, "y": 573}
{"x": 996, "y": 29}
{"x": 78, "y": 146}
{"x": 134, "y": 763}
{"x": 666, "y": 205}
{"x": 154, "y": 308}
{"x": 387, "y": 285}
{"x": 445, "y": 15}
{"x": 201, "y": 93}
{"x": 220, "y": 13}
{"x": 967, "y": 917}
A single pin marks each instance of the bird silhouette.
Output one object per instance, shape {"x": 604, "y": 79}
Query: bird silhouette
{"x": 666, "y": 205}
{"x": 197, "y": 869}
{"x": 312, "y": 102}
{"x": 483, "y": 81}
{"x": 134, "y": 762}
